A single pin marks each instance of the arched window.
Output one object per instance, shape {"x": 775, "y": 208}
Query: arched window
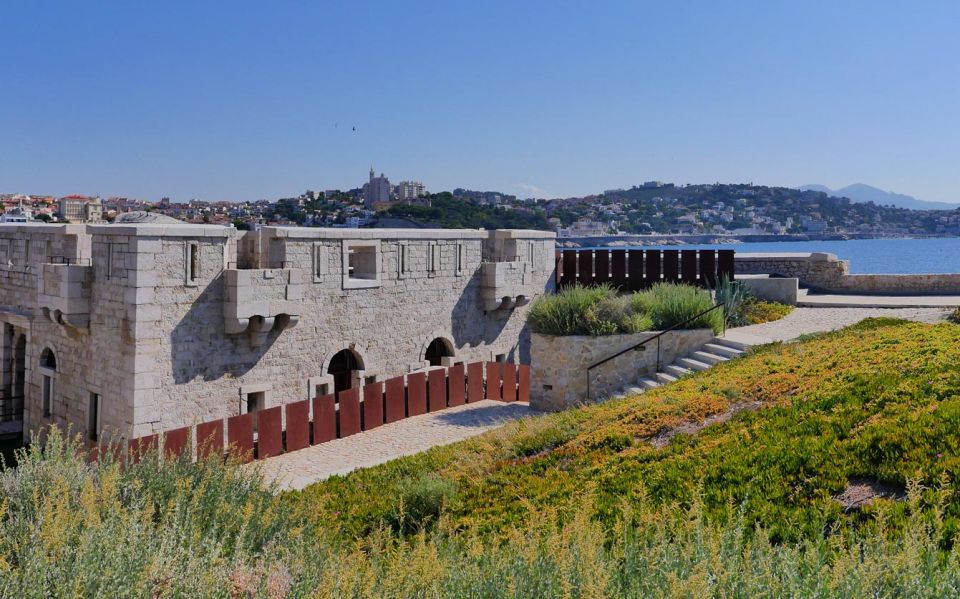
{"x": 343, "y": 365}
{"x": 48, "y": 359}
{"x": 438, "y": 349}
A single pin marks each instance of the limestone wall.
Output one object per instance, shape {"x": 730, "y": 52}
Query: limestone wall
{"x": 825, "y": 272}
{"x": 559, "y": 364}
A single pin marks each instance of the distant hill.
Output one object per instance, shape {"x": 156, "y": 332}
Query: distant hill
{"x": 859, "y": 192}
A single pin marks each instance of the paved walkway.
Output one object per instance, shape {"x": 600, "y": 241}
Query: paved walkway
{"x": 804, "y": 321}
{"x": 824, "y": 300}
{"x": 298, "y": 469}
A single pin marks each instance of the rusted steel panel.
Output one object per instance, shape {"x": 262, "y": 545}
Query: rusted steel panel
{"x": 509, "y": 381}
{"x": 210, "y": 439}
{"x": 493, "y": 381}
{"x": 269, "y": 432}
{"x": 349, "y": 413}
{"x": 240, "y": 437}
{"x": 298, "y": 424}
{"x": 140, "y": 447}
{"x": 437, "y": 391}
{"x": 725, "y": 264}
{"x": 635, "y": 269}
{"x": 601, "y": 271}
{"x": 523, "y": 389}
{"x": 105, "y": 450}
{"x": 671, "y": 266}
{"x": 708, "y": 268}
{"x": 618, "y": 259}
{"x": 651, "y": 275}
{"x": 475, "y": 382}
{"x": 176, "y": 442}
{"x": 396, "y": 402}
{"x": 456, "y": 385}
{"x": 416, "y": 394}
{"x": 569, "y": 268}
{"x": 585, "y": 267}
{"x": 324, "y": 419}
{"x": 372, "y": 405}
{"x": 688, "y": 266}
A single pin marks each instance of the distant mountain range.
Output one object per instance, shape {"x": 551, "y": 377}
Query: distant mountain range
{"x": 859, "y": 192}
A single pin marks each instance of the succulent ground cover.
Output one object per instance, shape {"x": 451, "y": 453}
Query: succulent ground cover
{"x": 829, "y": 470}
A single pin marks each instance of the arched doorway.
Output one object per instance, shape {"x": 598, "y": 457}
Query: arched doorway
{"x": 343, "y": 366}
{"x": 438, "y": 349}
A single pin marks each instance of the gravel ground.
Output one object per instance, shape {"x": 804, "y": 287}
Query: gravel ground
{"x": 803, "y": 321}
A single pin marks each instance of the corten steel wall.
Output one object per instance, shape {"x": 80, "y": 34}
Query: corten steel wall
{"x": 292, "y": 426}
{"x": 633, "y": 270}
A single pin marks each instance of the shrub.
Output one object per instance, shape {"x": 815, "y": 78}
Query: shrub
{"x": 421, "y": 502}
{"x": 733, "y": 295}
{"x": 669, "y": 304}
{"x": 954, "y": 316}
{"x": 755, "y": 311}
{"x": 565, "y": 313}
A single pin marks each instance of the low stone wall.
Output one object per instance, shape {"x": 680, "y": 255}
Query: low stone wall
{"x": 825, "y": 272}
{"x": 559, "y": 364}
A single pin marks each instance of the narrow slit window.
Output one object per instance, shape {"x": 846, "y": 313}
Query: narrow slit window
{"x": 93, "y": 417}
{"x": 459, "y": 258}
{"x": 193, "y": 263}
{"x": 47, "y": 396}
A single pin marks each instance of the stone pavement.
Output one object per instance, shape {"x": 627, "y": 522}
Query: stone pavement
{"x": 298, "y": 469}
{"x": 804, "y": 321}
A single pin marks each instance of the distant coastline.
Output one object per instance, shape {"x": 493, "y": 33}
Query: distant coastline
{"x": 712, "y": 239}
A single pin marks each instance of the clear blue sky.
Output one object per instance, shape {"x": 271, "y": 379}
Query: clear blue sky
{"x": 248, "y": 100}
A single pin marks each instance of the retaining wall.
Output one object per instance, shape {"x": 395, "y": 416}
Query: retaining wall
{"x": 825, "y": 272}
{"x": 559, "y": 364}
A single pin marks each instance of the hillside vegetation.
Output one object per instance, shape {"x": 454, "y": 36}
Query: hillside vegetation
{"x": 621, "y": 499}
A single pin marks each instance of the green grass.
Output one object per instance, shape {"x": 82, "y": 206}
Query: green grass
{"x": 575, "y": 504}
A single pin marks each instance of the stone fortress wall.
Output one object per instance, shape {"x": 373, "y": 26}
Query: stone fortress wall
{"x": 171, "y": 325}
{"x": 826, "y": 273}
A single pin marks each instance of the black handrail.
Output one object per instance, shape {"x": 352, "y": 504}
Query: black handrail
{"x": 649, "y": 339}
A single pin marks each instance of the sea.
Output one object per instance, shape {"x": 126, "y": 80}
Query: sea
{"x": 866, "y": 256}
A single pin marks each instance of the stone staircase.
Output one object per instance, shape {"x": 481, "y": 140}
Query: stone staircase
{"x": 717, "y": 351}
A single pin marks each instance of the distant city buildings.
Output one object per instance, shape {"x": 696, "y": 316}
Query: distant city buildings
{"x": 410, "y": 190}
{"x": 376, "y": 190}
{"x": 80, "y": 209}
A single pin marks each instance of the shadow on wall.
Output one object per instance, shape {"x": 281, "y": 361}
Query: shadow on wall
{"x": 196, "y": 353}
{"x": 469, "y": 309}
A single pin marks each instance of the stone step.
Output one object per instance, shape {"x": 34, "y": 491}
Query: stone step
{"x": 665, "y": 378}
{"x": 707, "y": 357}
{"x": 633, "y": 390}
{"x": 739, "y": 345}
{"x": 677, "y": 370}
{"x": 722, "y": 350}
{"x": 693, "y": 364}
{"x": 648, "y": 383}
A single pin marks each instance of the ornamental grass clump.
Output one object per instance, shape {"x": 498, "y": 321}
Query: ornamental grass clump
{"x": 670, "y": 304}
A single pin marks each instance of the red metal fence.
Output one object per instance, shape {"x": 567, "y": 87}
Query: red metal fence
{"x": 292, "y": 426}
{"x": 633, "y": 270}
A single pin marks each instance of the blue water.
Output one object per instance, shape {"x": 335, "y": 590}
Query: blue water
{"x": 866, "y": 256}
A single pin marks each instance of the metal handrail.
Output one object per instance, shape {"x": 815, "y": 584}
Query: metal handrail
{"x": 649, "y": 339}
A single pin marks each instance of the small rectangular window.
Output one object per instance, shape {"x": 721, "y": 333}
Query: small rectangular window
{"x": 109, "y": 260}
{"x": 531, "y": 251}
{"x": 460, "y": 251}
{"x": 26, "y": 253}
{"x": 93, "y": 417}
{"x": 362, "y": 262}
{"x": 47, "y": 396}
